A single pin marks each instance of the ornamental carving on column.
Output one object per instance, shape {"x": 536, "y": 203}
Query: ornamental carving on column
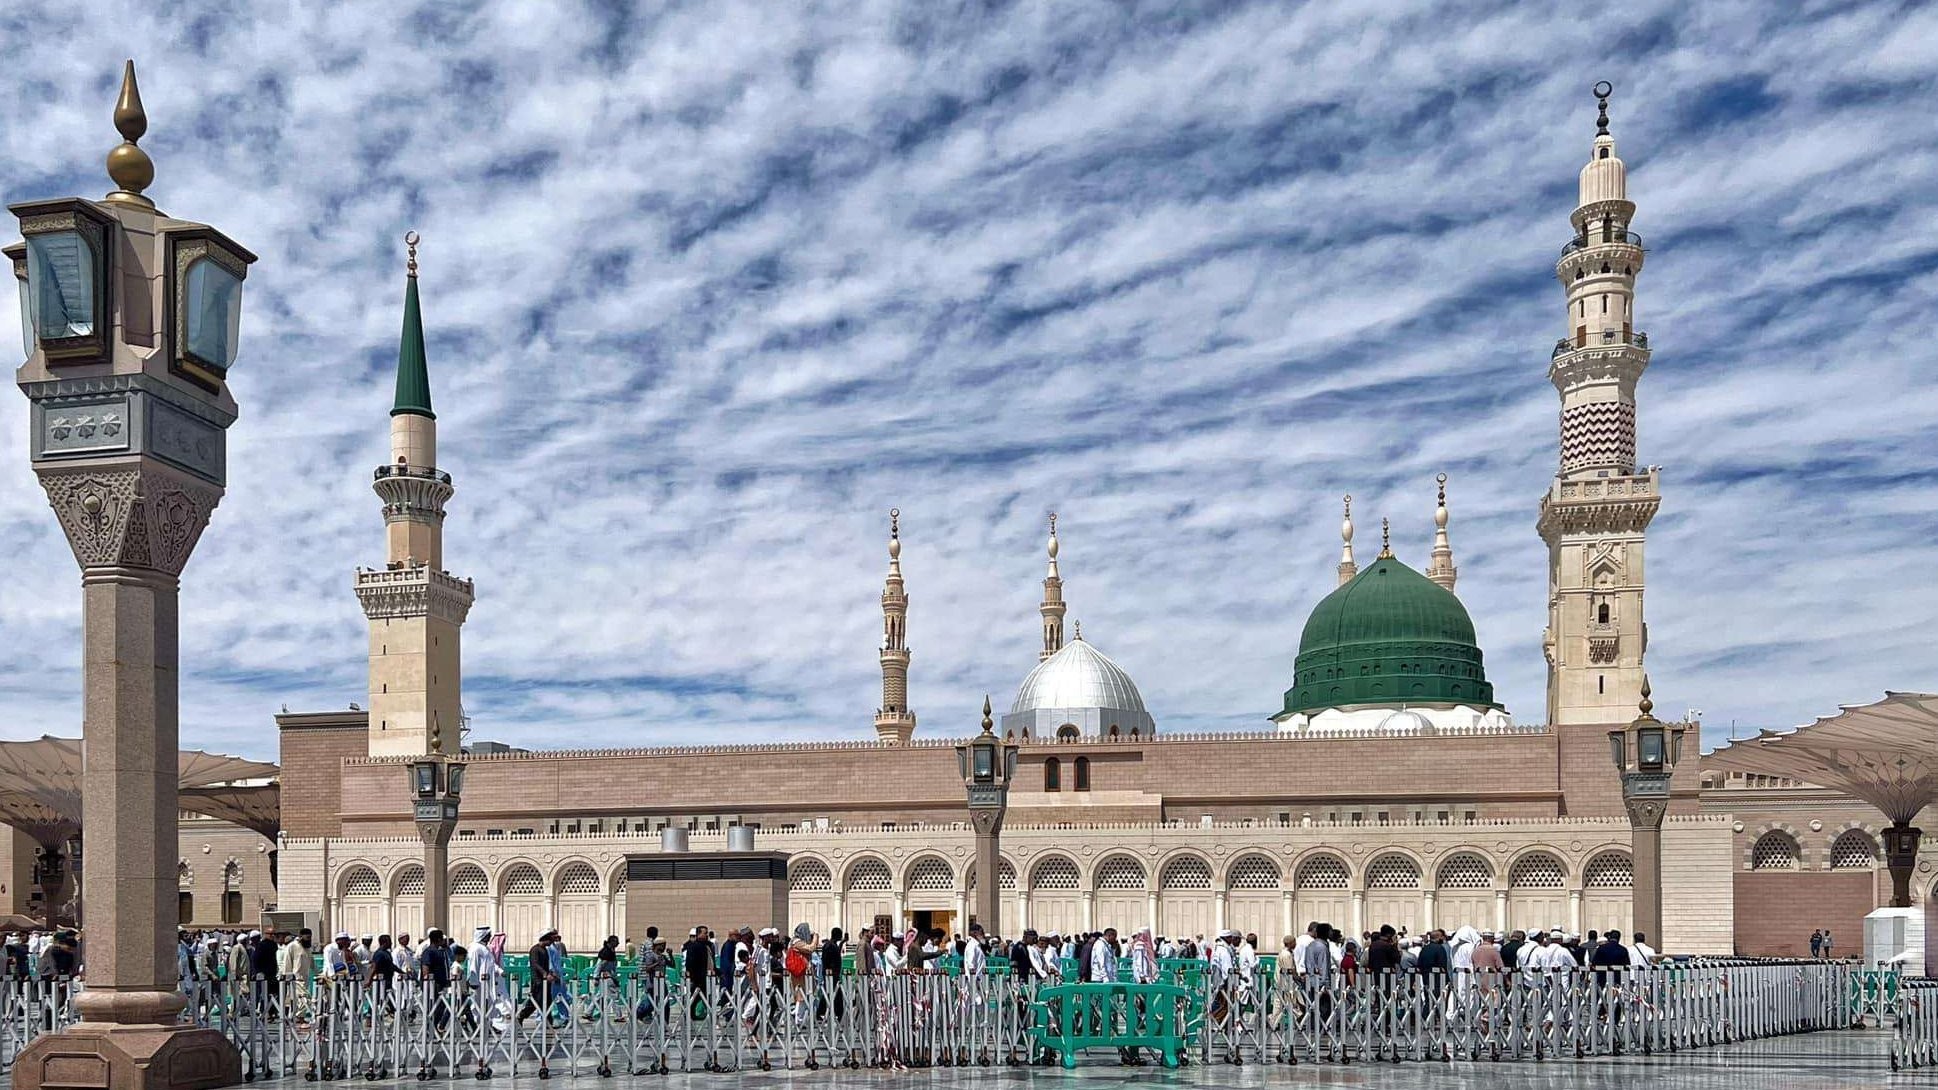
{"x": 1647, "y": 813}
{"x": 130, "y": 517}
{"x": 985, "y": 821}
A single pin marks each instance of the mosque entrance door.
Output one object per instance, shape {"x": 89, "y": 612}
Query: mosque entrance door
{"x": 927, "y": 918}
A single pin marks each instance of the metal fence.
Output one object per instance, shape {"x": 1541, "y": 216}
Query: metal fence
{"x": 1914, "y": 1043}
{"x": 648, "y": 1025}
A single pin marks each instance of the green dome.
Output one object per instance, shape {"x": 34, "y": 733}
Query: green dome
{"x": 1390, "y": 636}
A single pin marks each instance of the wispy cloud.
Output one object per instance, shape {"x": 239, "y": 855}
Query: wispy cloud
{"x": 712, "y": 287}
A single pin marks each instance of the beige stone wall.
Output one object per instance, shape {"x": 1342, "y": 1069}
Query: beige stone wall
{"x": 16, "y": 871}
{"x": 228, "y": 874}
{"x": 414, "y": 675}
{"x": 1260, "y": 776}
{"x": 1182, "y": 878}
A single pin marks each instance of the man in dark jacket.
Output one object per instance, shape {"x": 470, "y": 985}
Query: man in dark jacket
{"x": 543, "y": 978}
{"x": 831, "y": 953}
{"x": 1383, "y": 955}
{"x": 1021, "y": 968}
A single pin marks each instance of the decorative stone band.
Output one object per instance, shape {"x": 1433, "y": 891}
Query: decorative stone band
{"x": 413, "y": 497}
{"x": 137, "y": 515}
{"x": 1598, "y": 434}
{"x": 414, "y": 592}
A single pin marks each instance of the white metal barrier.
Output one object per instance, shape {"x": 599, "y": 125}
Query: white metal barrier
{"x": 1914, "y": 1041}
{"x": 655, "y": 1025}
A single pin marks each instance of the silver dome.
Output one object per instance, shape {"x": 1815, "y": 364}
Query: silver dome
{"x": 1078, "y": 686}
{"x": 1406, "y": 720}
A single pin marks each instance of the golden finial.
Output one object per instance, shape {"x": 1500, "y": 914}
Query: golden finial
{"x": 1349, "y": 505}
{"x": 1441, "y": 478}
{"x": 1602, "y": 91}
{"x": 894, "y": 522}
{"x": 129, "y": 166}
{"x": 988, "y": 724}
{"x": 411, "y": 239}
{"x": 1079, "y": 627}
{"x": 1646, "y": 705}
{"x": 1385, "y": 539}
{"x": 1053, "y": 545}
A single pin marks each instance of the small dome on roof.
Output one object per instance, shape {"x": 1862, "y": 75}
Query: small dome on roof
{"x": 1078, "y": 686}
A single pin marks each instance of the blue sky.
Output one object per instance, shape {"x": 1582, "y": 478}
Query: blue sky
{"x": 712, "y": 286}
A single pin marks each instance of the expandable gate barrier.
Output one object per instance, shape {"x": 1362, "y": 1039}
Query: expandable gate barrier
{"x": 1915, "y": 1041}
{"x": 646, "y": 1025}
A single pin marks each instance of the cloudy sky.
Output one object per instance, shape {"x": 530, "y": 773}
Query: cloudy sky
{"x": 712, "y": 286}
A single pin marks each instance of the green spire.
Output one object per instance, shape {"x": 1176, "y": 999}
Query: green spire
{"x": 413, "y": 375}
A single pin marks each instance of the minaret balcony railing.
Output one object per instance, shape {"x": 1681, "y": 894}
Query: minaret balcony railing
{"x": 1596, "y": 340}
{"x": 438, "y": 475}
{"x": 1582, "y": 242}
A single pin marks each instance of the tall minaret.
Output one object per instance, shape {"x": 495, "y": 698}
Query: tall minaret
{"x": 1052, "y": 607}
{"x": 415, "y": 607}
{"x": 1440, "y": 566}
{"x": 894, "y": 722}
{"x": 1595, "y": 513}
{"x": 1347, "y": 567}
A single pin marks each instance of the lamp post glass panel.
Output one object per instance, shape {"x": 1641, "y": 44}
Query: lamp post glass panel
{"x": 1655, "y": 748}
{"x": 130, "y": 319}
{"x": 435, "y": 783}
{"x": 987, "y": 766}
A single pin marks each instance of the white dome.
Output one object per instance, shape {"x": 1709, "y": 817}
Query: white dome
{"x": 1406, "y": 720}
{"x": 1078, "y": 686}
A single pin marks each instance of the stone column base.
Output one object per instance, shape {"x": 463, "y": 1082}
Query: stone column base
{"x": 115, "y": 1056}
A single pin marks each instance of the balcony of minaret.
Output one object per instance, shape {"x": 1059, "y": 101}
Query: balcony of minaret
{"x": 1615, "y": 503}
{"x": 413, "y": 590}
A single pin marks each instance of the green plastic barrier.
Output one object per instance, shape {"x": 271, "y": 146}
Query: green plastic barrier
{"x": 1068, "y": 1018}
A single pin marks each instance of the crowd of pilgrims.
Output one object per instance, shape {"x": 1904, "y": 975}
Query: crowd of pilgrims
{"x": 712, "y": 961}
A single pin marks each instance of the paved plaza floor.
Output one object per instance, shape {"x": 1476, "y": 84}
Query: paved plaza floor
{"x": 1812, "y": 1061}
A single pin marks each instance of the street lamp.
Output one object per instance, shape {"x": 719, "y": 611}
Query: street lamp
{"x": 130, "y": 321}
{"x": 436, "y": 783}
{"x": 987, "y": 766}
{"x": 1646, "y": 755}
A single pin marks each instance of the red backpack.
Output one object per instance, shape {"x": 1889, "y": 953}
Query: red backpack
{"x": 796, "y": 962}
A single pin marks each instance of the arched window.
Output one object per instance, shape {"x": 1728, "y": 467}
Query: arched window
{"x": 1537, "y": 871}
{"x": 1854, "y": 850}
{"x": 1185, "y": 872}
{"x": 362, "y": 882}
{"x": 1465, "y": 871}
{"x": 869, "y": 875}
{"x": 1120, "y": 872}
{"x": 1056, "y": 872}
{"x": 1601, "y": 613}
{"x": 1053, "y": 775}
{"x": 1393, "y": 872}
{"x": 1609, "y": 870}
{"x": 1254, "y": 872}
{"x": 1067, "y": 732}
{"x": 1322, "y": 872}
{"x": 931, "y": 873}
{"x": 810, "y": 876}
{"x": 524, "y": 879}
{"x": 1083, "y": 773}
{"x": 1774, "y": 850}
{"x": 578, "y": 878}
{"x": 410, "y": 881}
{"x": 468, "y": 881}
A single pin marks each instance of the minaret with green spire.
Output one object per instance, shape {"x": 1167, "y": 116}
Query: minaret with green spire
{"x": 413, "y": 374}
{"x": 415, "y": 607}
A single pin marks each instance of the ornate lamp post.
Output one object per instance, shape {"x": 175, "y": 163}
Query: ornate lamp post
{"x": 1655, "y": 748}
{"x": 987, "y": 766}
{"x": 436, "y": 782}
{"x": 131, "y": 319}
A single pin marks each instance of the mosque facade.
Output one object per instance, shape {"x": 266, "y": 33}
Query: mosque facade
{"x": 1114, "y": 818}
